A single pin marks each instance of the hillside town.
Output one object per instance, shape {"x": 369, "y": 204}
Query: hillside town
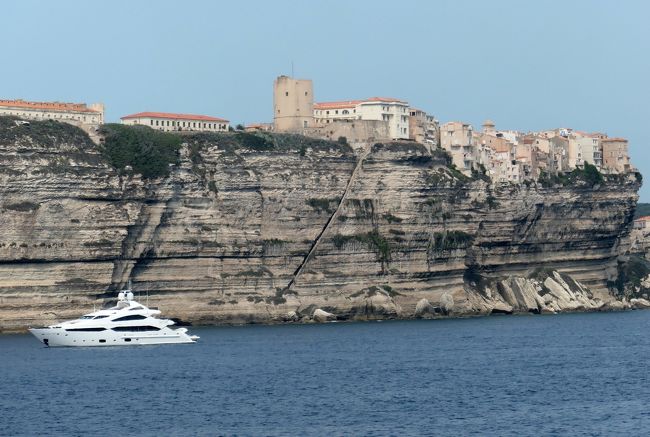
{"x": 504, "y": 155}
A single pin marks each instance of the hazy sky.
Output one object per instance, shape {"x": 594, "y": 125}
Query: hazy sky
{"x": 527, "y": 65}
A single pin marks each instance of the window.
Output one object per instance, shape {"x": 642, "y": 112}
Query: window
{"x": 286, "y": 93}
{"x": 151, "y": 122}
{"x": 305, "y": 93}
{"x": 156, "y": 122}
{"x": 100, "y": 317}
{"x": 167, "y": 122}
{"x": 135, "y": 328}
{"x": 85, "y": 329}
{"x": 345, "y": 111}
{"x": 133, "y": 317}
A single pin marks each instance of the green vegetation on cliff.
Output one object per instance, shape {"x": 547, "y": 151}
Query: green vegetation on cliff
{"x": 148, "y": 151}
{"x": 588, "y": 175}
{"x": 48, "y": 133}
{"x": 264, "y": 142}
{"x": 642, "y": 209}
{"x": 451, "y": 240}
{"x": 373, "y": 239}
{"x": 630, "y": 275}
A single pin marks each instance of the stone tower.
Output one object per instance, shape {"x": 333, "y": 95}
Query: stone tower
{"x": 489, "y": 127}
{"x": 293, "y": 104}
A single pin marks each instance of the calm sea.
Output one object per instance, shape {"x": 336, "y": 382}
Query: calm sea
{"x": 579, "y": 374}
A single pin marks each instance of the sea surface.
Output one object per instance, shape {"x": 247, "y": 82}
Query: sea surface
{"x": 575, "y": 374}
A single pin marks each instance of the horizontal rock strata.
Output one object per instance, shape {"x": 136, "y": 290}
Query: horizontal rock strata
{"x": 242, "y": 233}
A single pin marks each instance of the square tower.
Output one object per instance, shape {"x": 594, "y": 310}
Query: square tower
{"x": 293, "y": 104}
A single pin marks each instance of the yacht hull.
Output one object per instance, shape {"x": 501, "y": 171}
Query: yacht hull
{"x": 59, "y": 337}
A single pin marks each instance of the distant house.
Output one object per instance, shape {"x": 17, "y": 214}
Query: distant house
{"x": 615, "y": 155}
{"x": 642, "y": 222}
{"x": 168, "y": 122}
{"x": 394, "y": 112}
{"x": 87, "y": 117}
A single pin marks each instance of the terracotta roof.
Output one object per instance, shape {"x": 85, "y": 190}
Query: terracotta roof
{"x": 644, "y": 218}
{"x": 337, "y": 105}
{"x": 352, "y": 103}
{"x": 383, "y": 99}
{"x": 173, "y": 116}
{"x": 48, "y": 106}
{"x": 614, "y": 139}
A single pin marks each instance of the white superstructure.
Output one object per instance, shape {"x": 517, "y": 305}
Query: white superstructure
{"x": 127, "y": 323}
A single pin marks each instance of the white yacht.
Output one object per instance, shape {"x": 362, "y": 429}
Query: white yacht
{"x": 127, "y": 323}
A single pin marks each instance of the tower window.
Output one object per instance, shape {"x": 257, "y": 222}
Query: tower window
{"x": 286, "y": 93}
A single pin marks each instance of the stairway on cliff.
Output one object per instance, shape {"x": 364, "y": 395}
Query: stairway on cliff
{"x": 357, "y": 168}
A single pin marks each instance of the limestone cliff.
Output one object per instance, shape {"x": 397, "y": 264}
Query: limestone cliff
{"x": 274, "y": 229}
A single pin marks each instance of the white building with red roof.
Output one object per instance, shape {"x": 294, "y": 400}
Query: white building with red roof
{"x": 169, "y": 122}
{"x": 79, "y": 114}
{"x": 394, "y": 112}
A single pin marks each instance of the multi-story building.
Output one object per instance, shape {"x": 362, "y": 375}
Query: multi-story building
{"x": 615, "y": 155}
{"x": 584, "y": 148}
{"x": 457, "y": 139}
{"x": 423, "y": 128}
{"x": 169, "y": 122}
{"x": 559, "y": 154}
{"x": 393, "y": 112}
{"x": 88, "y": 117}
{"x": 293, "y": 104}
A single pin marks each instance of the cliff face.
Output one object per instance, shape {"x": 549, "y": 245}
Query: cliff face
{"x": 267, "y": 232}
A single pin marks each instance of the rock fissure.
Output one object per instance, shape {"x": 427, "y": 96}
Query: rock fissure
{"x": 217, "y": 240}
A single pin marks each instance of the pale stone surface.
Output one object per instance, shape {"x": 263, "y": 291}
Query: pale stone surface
{"x": 423, "y": 307}
{"x": 323, "y": 316}
{"x": 220, "y": 239}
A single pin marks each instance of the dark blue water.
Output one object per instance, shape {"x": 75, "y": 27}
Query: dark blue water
{"x": 582, "y": 374}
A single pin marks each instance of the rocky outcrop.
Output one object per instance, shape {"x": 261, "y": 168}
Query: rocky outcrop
{"x": 323, "y": 316}
{"x": 254, "y": 232}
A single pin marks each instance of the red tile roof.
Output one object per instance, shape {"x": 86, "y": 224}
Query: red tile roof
{"x": 352, "y": 103}
{"x": 383, "y": 99}
{"x": 168, "y": 115}
{"x": 47, "y": 106}
{"x": 614, "y": 139}
{"x": 644, "y": 218}
{"x": 337, "y": 105}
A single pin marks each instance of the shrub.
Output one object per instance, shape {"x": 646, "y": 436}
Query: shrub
{"x": 147, "y": 151}
{"x": 588, "y": 174}
{"x": 323, "y": 205}
{"x": 390, "y": 218}
{"x": 451, "y": 240}
{"x": 373, "y": 239}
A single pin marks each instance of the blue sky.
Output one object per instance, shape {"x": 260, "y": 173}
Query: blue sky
{"x": 527, "y": 65}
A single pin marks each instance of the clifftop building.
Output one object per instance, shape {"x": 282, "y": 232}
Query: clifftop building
{"x": 87, "y": 117}
{"x": 293, "y": 104}
{"x": 393, "y": 112}
{"x": 165, "y": 121}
